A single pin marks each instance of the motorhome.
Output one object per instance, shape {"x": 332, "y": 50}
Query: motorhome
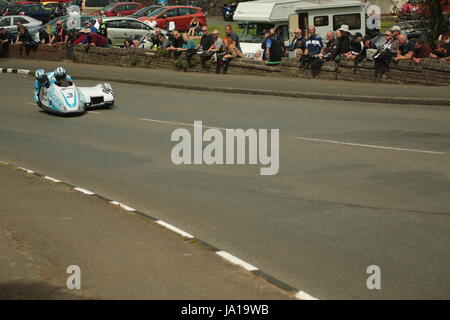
{"x": 328, "y": 15}
{"x": 257, "y": 16}
{"x": 287, "y": 15}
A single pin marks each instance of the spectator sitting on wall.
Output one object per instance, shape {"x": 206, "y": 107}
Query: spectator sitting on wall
{"x": 6, "y": 39}
{"x": 176, "y": 44}
{"x": 442, "y": 52}
{"x": 60, "y": 34}
{"x": 357, "y": 51}
{"x": 384, "y": 54}
{"x": 405, "y": 49}
{"x": 155, "y": 37}
{"x": 44, "y": 37}
{"x": 233, "y": 35}
{"x": 230, "y": 52}
{"x": 297, "y": 44}
{"x": 206, "y": 40}
{"x": 422, "y": 51}
{"x": 342, "y": 42}
{"x": 216, "y": 47}
{"x": 330, "y": 50}
{"x": 189, "y": 47}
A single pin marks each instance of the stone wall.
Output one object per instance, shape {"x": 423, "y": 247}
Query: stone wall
{"x": 42, "y": 52}
{"x": 429, "y": 72}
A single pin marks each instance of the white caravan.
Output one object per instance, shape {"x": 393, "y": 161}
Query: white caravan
{"x": 328, "y": 15}
{"x": 260, "y": 15}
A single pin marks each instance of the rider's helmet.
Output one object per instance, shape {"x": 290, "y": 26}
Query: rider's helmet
{"x": 39, "y": 74}
{"x": 60, "y": 73}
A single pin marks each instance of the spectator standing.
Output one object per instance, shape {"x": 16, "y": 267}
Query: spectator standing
{"x": 25, "y": 39}
{"x": 102, "y": 28}
{"x": 297, "y": 45}
{"x": 6, "y": 39}
{"x": 274, "y": 48}
{"x": 60, "y": 34}
{"x": 314, "y": 46}
{"x": 405, "y": 49}
{"x": 233, "y": 35}
{"x": 422, "y": 51}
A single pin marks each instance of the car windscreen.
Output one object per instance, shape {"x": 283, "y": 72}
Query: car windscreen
{"x": 109, "y": 7}
{"x": 156, "y": 12}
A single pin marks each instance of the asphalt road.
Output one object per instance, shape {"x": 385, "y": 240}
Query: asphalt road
{"x": 331, "y": 211}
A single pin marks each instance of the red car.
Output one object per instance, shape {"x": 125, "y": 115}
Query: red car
{"x": 119, "y": 9}
{"x": 180, "y": 15}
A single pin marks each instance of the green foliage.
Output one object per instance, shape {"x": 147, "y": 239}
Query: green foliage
{"x": 134, "y": 61}
{"x": 181, "y": 65}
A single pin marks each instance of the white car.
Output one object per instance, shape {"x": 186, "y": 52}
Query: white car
{"x": 9, "y": 23}
{"x": 121, "y": 28}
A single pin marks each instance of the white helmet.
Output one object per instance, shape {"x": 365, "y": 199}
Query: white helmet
{"x": 60, "y": 73}
{"x": 39, "y": 73}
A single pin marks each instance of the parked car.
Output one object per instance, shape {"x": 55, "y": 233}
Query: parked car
{"x": 180, "y": 15}
{"x": 144, "y": 11}
{"x": 89, "y": 6}
{"x": 228, "y": 11}
{"x": 121, "y": 28}
{"x": 9, "y": 23}
{"x": 3, "y": 6}
{"x": 51, "y": 26}
{"x": 120, "y": 9}
{"x": 36, "y": 11}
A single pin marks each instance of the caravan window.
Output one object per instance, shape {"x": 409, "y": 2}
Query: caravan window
{"x": 353, "y": 21}
{"x": 320, "y": 21}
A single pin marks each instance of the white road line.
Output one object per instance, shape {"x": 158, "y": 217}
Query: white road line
{"x": 3, "y": 162}
{"x": 33, "y": 104}
{"x": 116, "y": 203}
{"x": 9, "y": 70}
{"x": 29, "y": 171}
{"x": 368, "y": 145}
{"x": 94, "y": 112}
{"x": 180, "y": 123}
{"x": 174, "y": 229}
{"x": 52, "y": 179}
{"x": 23, "y": 71}
{"x": 302, "y": 295}
{"x": 89, "y": 193}
{"x": 236, "y": 260}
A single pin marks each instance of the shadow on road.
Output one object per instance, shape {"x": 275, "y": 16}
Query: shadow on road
{"x": 36, "y": 290}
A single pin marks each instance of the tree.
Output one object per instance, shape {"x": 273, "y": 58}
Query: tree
{"x": 435, "y": 16}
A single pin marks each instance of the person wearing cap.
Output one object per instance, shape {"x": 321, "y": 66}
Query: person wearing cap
{"x": 93, "y": 39}
{"x": 274, "y": 48}
{"x": 342, "y": 42}
{"x": 357, "y": 51}
{"x": 6, "y": 39}
{"x": 395, "y": 32}
{"x": 91, "y": 27}
{"x": 60, "y": 34}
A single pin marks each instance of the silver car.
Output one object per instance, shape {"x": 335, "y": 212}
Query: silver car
{"x": 121, "y": 28}
{"x": 9, "y": 23}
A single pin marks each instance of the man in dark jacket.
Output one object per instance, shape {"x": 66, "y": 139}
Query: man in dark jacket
{"x": 6, "y": 39}
{"x": 297, "y": 44}
{"x": 274, "y": 48}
